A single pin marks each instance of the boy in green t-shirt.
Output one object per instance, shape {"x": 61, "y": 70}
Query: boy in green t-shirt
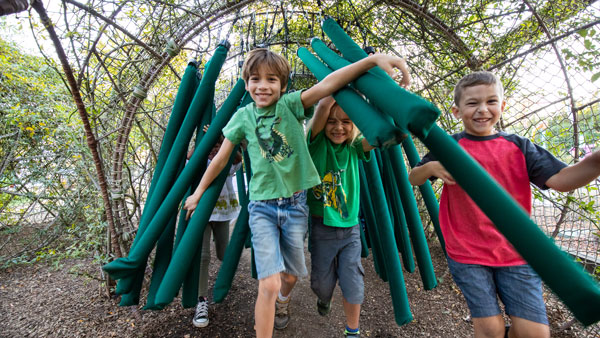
{"x": 282, "y": 171}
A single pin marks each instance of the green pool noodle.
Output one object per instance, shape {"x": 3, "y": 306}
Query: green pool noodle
{"x": 400, "y": 104}
{"x": 391, "y": 260}
{"x": 165, "y": 181}
{"x": 397, "y": 212}
{"x": 375, "y": 126}
{"x": 364, "y": 247}
{"x": 567, "y": 279}
{"x": 124, "y": 267}
{"x": 162, "y": 256}
{"x": 185, "y": 94}
{"x": 191, "y": 241}
{"x": 235, "y": 246}
{"x": 189, "y": 293}
{"x": 371, "y": 224}
{"x": 164, "y": 250}
{"x": 348, "y": 47}
{"x": 427, "y": 193}
{"x": 413, "y": 219}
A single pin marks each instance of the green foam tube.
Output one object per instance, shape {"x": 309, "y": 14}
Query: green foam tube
{"x": 371, "y": 223}
{"x": 191, "y": 241}
{"x": 124, "y": 267}
{"x": 391, "y": 260}
{"x": 406, "y": 108}
{"x": 413, "y": 219}
{"x": 375, "y": 126}
{"x": 427, "y": 193}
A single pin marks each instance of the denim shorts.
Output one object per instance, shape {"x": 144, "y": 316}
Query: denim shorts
{"x": 278, "y": 228}
{"x": 335, "y": 258}
{"x": 519, "y": 289}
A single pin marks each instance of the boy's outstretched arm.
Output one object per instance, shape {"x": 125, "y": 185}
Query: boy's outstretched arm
{"x": 576, "y": 175}
{"x": 341, "y": 77}
{"x": 419, "y": 175}
{"x": 319, "y": 120}
{"x": 214, "y": 169}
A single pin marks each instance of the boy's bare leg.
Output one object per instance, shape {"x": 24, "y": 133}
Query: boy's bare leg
{"x": 526, "y": 328}
{"x": 287, "y": 283}
{"x": 352, "y": 312}
{"x": 489, "y": 327}
{"x": 264, "y": 309}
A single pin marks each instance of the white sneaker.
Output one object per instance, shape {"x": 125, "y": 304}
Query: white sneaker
{"x": 201, "y": 315}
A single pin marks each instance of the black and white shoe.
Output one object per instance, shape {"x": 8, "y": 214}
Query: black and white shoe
{"x": 201, "y": 315}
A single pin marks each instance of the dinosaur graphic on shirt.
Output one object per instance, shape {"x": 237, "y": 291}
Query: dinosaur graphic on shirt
{"x": 273, "y": 144}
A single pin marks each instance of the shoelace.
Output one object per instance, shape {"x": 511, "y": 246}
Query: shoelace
{"x": 281, "y": 308}
{"x": 202, "y": 310}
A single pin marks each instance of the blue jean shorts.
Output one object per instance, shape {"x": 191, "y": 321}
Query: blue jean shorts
{"x": 335, "y": 258}
{"x": 519, "y": 289}
{"x": 278, "y": 228}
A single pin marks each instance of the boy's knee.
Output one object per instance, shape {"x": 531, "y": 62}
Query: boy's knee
{"x": 270, "y": 285}
{"x": 288, "y": 279}
{"x": 489, "y": 326}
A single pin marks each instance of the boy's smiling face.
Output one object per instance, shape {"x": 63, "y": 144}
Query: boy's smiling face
{"x": 264, "y": 87}
{"x": 480, "y": 108}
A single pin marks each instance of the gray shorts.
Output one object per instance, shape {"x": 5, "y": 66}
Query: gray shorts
{"x": 335, "y": 256}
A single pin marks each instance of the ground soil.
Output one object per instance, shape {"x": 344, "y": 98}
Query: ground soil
{"x": 68, "y": 300}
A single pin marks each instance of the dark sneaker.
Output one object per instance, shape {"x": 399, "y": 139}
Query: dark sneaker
{"x": 352, "y": 334}
{"x": 201, "y": 315}
{"x": 282, "y": 315}
{"x": 323, "y": 308}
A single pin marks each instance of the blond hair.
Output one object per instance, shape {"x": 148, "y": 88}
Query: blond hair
{"x": 355, "y": 131}
{"x": 263, "y": 57}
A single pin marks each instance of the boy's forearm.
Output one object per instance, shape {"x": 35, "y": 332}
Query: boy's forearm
{"x": 419, "y": 175}
{"x": 577, "y": 175}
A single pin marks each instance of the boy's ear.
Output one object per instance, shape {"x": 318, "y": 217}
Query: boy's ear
{"x": 455, "y": 111}
{"x": 502, "y": 105}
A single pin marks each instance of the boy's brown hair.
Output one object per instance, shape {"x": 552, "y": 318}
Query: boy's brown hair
{"x": 275, "y": 62}
{"x": 475, "y": 79}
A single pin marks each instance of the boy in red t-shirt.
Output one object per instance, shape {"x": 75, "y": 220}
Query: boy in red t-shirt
{"x": 482, "y": 262}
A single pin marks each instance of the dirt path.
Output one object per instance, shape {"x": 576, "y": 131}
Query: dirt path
{"x": 41, "y": 300}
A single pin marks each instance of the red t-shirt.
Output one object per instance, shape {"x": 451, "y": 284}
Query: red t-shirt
{"x": 513, "y": 161}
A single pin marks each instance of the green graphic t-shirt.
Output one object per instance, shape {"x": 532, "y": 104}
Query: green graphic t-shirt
{"x": 337, "y": 198}
{"x": 279, "y": 157}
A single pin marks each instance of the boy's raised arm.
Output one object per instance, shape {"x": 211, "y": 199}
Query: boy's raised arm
{"x": 214, "y": 169}
{"x": 576, "y": 175}
{"x": 343, "y": 76}
{"x": 319, "y": 120}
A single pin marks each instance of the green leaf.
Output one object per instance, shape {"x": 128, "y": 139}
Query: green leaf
{"x": 595, "y": 77}
{"x": 583, "y": 32}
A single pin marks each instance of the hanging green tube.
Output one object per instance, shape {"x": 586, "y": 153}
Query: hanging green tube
{"x": 404, "y": 107}
{"x": 391, "y": 260}
{"x": 397, "y": 212}
{"x": 567, "y": 279}
{"x": 431, "y": 202}
{"x": 375, "y": 126}
{"x": 124, "y": 267}
{"x": 235, "y": 247}
{"x": 413, "y": 219}
{"x": 191, "y": 242}
{"x": 189, "y": 293}
{"x": 371, "y": 223}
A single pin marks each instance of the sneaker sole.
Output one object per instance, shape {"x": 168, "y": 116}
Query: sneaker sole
{"x": 200, "y": 324}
